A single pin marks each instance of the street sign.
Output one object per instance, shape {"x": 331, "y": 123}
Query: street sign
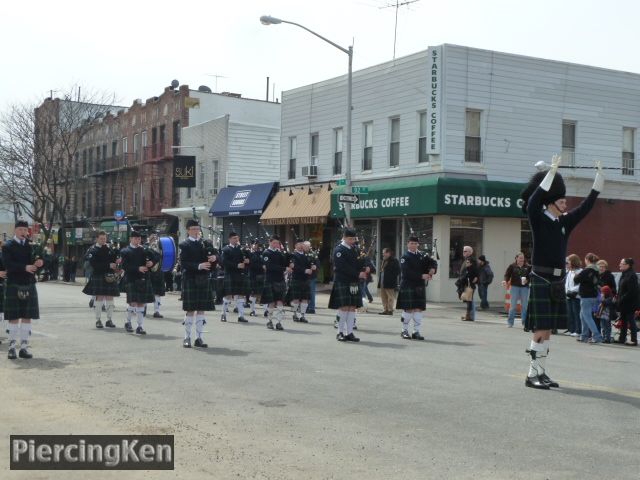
{"x": 347, "y": 198}
{"x": 341, "y": 182}
{"x": 360, "y": 190}
{"x": 118, "y": 214}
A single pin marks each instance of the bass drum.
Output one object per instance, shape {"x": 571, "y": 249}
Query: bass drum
{"x": 167, "y": 253}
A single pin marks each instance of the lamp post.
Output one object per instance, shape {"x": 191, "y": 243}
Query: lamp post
{"x": 269, "y": 20}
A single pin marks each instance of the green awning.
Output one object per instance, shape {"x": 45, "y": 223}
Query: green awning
{"x": 435, "y": 196}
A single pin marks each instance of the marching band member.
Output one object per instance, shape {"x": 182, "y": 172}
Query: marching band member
{"x": 102, "y": 285}
{"x": 273, "y": 293}
{"x": 235, "y": 279}
{"x": 299, "y": 286}
{"x": 136, "y": 262}
{"x": 157, "y": 277}
{"x": 256, "y": 275}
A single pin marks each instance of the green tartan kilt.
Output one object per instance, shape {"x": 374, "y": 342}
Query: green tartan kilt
{"x": 341, "y": 296}
{"x": 197, "y": 296}
{"x": 14, "y": 308}
{"x": 157, "y": 283}
{"x": 236, "y": 284}
{"x": 542, "y": 312}
{"x": 139, "y": 291}
{"x": 299, "y": 290}
{"x": 99, "y": 286}
{"x": 411, "y": 298}
{"x": 256, "y": 284}
{"x": 273, "y": 292}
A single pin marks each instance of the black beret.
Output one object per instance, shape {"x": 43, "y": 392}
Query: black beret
{"x": 192, "y": 223}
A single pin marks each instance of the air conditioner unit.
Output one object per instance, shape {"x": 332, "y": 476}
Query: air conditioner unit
{"x": 310, "y": 171}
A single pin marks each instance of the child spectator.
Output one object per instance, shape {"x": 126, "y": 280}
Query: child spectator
{"x": 605, "y": 313}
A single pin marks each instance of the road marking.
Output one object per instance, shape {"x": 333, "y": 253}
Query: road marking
{"x": 601, "y": 388}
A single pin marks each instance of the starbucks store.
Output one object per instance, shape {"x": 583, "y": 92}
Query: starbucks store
{"x": 446, "y": 214}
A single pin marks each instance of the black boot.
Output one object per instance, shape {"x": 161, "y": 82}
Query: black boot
{"x": 11, "y": 355}
{"x": 535, "y": 382}
{"x": 186, "y": 343}
{"x": 99, "y": 324}
{"x": 110, "y": 324}
{"x": 544, "y": 378}
{"x": 128, "y": 327}
{"x": 199, "y": 343}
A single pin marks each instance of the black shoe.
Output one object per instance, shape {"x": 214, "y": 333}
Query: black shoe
{"x": 355, "y": 327}
{"x": 235, "y": 310}
{"x": 24, "y": 353}
{"x": 405, "y": 335}
{"x": 383, "y": 313}
{"x": 544, "y": 378}
{"x": 104, "y": 309}
{"x": 279, "y": 326}
{"x": 110, "y": 324}
{"x": 340, "y": 337}
{"x": 266, "y": 314}
{"x": 535, "y": 382}
{"x": 186, "y": 343}
{"x": 270, "y": 325}
{"x": 303, "y": 320}
{"x": 311, "y": 311}
{"x": 99, "y": 324}
{"x": 417, "y": 336}
{"x": 157, "y": 315}
{"x": 296, "y": 318}
{"x": 223, "y": 318}
{"x": 199, "y": 343}
{"x": 242, "y": 320}
{"x": 336, "y": 322}
{"x": 140, "y": 331}
{"x": 128, "y": 327}
{"x": 252, "y": 314}
{"x": 91, "y": 302}
{"x": 351, "y": 338}
{"x": 12, "y": 354}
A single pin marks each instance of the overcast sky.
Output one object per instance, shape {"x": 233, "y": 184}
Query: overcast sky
{"x": 134, "y": 48}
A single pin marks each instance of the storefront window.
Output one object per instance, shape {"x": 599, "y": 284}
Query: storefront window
{"x": 526, "y": 240}
{"x": 421, "y": 227}
{"x": 464, "y": 231}
{"x": 367, "y": 236}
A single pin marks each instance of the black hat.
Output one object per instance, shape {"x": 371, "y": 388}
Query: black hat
{"x": 233, "y": 234}
{"x": 21, "y": 223}
{"x": 349, "y": 232}
{"x": 192, "y": 223}
{"x": 413, "y": 238}
{"x": 299, "y": 240}
{"x": 557, "y": 191}
{"x": 274, "y": 237}
{"x": 135, "y": 233}
{"x": 482, "y": 258}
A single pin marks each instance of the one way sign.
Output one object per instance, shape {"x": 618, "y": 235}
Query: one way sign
{"x": 348, "y": 198}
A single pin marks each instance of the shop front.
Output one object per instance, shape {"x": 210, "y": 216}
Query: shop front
{"x": 445, "y": 214}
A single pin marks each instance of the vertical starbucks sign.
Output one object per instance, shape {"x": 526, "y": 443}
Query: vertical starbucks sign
{"x": 434, "y": 103}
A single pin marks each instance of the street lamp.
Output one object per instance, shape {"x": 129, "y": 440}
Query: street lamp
{"x": 269, "y": 20}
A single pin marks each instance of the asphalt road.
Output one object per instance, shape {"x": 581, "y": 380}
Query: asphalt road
{"x": 297, "y": 404}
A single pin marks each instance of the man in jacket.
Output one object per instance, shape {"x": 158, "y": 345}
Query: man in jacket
{"x": 388, "y": 281}
{"x": 485, "y": 277}
{"x": 628, "y": 301}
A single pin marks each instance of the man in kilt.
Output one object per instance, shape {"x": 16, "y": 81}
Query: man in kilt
{"x": 20, "y": 295}
{"x": 415, "y": 269}
{"x": 136, "y": 262}
{"x": 545, "y": 204}
{"x": 102, "y": 285}
{"x": 157, "y": 277}
{"x": 236, "y": 280}
{"x": 345, "y": 294}
{"x": 197, "y": 260}
{"x": 274, "y": 290}
{"x": 299, "y": 291}
{"x": 256, "y": 275}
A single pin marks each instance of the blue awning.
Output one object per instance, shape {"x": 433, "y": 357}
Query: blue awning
{"x": 244, "y": 200}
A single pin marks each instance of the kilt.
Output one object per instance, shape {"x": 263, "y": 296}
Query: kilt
{"x": 256, "y": 284}
{"x": 157, "y": 283}
{"x": 1, "y": 297}
{"x": 99, "y": 286}
{"x": 412, "y": 298}
{"x": 139, "y": 291}
{"x": 236, "y": 284}
{"x": 273, "y": 292}
{"x": 196, "y": 296}
{"x": 341, "y": 296}
{"x": 15, "y": 308}
{"x": 299, "y": 290}
{"x": 543, "y": 313}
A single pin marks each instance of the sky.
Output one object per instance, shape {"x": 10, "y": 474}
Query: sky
{"x": 133, "y": 49}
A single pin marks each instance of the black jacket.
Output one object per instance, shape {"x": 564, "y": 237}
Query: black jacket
{"x": 16, "y": 257}
{"x": 346, "y": 264}
{"x": 231, "y": 257}
{"x": 468, "y": 274}
{"x": 132, "y": 260}
{"x": 607, "y": 278}
{"x": 413, "y": 266}
{"x": 193, "y": 254}
{"x": 628, "y": 292}
{"x": 99, "y": 258}
{"x": 255, "y": 263}
{"x": 276, "y": 263}
{"x": 301, "y": 262}
{"x": 389, "y": 273}
{"x": 587, "y": 281}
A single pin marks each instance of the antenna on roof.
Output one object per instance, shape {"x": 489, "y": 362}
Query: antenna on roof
{"x": 397, "y": 6}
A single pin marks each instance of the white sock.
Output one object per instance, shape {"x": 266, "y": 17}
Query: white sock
{"x": 342, "y": 325}
{"x": 98, "y": 312}
{"x": 130, "y": 311}
{"x": 280, "y": 313}
{"x": 535, "y": 368}
{"x": 200, "y": 321}
{"x": 188, "y": 324}
{"x": 253, "y": 304}
{"x": 140, "y": 316}
{"x": 543, "y": 355}
{"x": 266, "y": 308}
{"x": 104, "y": 303}
{"x": 225, "y": 305}
{"x": 294, "y": 307}
{"x": 406, "y": 319}
{"x": 156, "y": 304}
{"x": 417, "y": 321}
{"x": 13, "y": 333}
{"x": 110, "y": 307}
{"x": 25, "y": 332}
{"x": 303, "y": 308}
{"x": 351, "y": 321}
{"x": 240, "y": 304}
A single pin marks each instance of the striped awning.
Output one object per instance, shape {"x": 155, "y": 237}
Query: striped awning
{"x": 301, "y": 207}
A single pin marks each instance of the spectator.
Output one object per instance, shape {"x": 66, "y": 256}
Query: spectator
{"x": 574, "y": 324}
{"x": 468, "y": 277}
{"x": 485, "y": 277}
{"x": 517, "y": 276}
{"x": 388, "y": 281}
{"x": 606, "y": 313}
{"x": 73, "y": 267}
{"x": 628, "y": 301}
{"x": 606, "y": 277}
{"x": 587, "y": 281}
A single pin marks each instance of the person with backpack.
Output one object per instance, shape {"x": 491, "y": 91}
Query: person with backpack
{"x": 588, "y": 286}
{"x": 485, "y": 277}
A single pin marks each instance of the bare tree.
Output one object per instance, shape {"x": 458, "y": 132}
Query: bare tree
{"x": 39, "y": 155}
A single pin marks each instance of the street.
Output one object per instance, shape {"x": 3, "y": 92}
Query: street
{"x": 297, "y": 404}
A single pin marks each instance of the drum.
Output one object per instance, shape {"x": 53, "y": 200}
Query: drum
{"x": 168, "y": 253}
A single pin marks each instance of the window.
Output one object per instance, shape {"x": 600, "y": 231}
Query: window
{"x": 125, "y": 146}
{"x": 114, "y": 148}
{"x": 200, "y": 184}
{"x": 161, "y": 189}
{"x": 569, "y": 142}
{"x": 628, "y": 151}
{"x": 104, "y": 152}
{"x": 423, "y": 157}
{"x": 176, "y": 132}
{"x": 189, "y": 192}
{"x": 84, "y": 164}
{"x": 216, "y": 176}
{"x": 421, "y": 227}
{"x": 337, "y": 151}
{"x": 143, "y": 144}
{"x": 472, "y": 151}
{"x": 76, "y": 164}
{"x": 90, "y": 162}
{"x": 315, "y": 140}
{"x": 394, "y": 142}
{"x": 463, "y": 231}
{"x": 293, "y": 153}
{"x": 136, "y": 147}
{"x": 367, "y": 146}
